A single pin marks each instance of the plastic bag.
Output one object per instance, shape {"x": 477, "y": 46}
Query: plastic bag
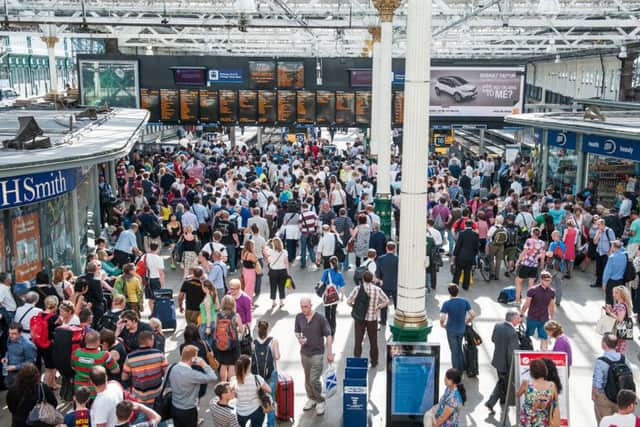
{"x": 330, "y": 383}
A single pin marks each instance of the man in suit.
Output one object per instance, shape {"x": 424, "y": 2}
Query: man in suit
{"x": 505, "y": 339}
{"x": 465, "y": 253}
{"x": 387, "y": 271}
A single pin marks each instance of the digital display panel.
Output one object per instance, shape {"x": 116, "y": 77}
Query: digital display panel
{"x": 286, "y": 106}
{"x": 190, "y": 76}
{"x": 262, "y": 74}
{"x": 345, "y": 108}
{"x": 228, "y": 106}
{"x": 306, "y": 106}
{"x": 248, "y": 106}
{"x": 169, "y": 105}
{"x": 208, "y": 106}
{"x": 290, "y": 75}
{"x": 409, "y": 375}
{"x": 325, "y": 107}
{"x": 150, "y": 101}
{"x": 266, "y": 106}
{"x": 398, "y": 108}
{"x": 189, "y": 105}
{"x": 363, "y": 108}
{"x": 360, "y": 78}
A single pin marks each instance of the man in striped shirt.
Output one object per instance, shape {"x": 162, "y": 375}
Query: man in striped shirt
{"x": 144, "y": 370}
{"x": 308, "y": 228}
{"x": 221, "y": 412}
{"x": 85, "y": 358}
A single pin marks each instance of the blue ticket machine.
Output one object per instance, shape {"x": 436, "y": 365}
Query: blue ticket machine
{"x": 355, "y": 392}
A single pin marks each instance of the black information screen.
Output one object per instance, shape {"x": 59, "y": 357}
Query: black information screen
{"x": 169, "y": 105}
{"x": 306, "y": 106}
{"x": 150, "y": 101}
{"x": 345, "y": 108}
{"x": 189, "y": 105}
{"x": 267, "y": 107}
{"x": 248, "y": 106}
{"x": 325, "y": 107}
{"x": 290, "y": 75}
{"x": 363, "y": 107}
{"x": 262, "y": 74}
{"x": 228, "y": 106}
{"x": 208, "y": 106}
{"x": 398, "y": 108}
{"x": 286, "y": 106}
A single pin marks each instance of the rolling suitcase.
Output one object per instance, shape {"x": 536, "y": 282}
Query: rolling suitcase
{"x": 284, "y": 397}
{"x": 66, "y": 340}
{"x": 164, "y": 308}
{"x": 470, "y": 359}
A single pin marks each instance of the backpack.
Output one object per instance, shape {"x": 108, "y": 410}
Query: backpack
{"x": 507, "y": 295}
{"x": 500, "y": 237}
{"x": 512, "y": 236}
{"x": 109, "y": 320}
{"x": 331, "y": 295}
{"x": 629, "y": 272}
{"x": 361, "y": 304}
{"x": 359, "y": 272}
{"x": 226, "y": 333}
{"x": 39, "y": 327}
{"x": 619, "y": 376}
{"x": 262, "y": 362}
{"x": 524, "y": 341}
{"x": 141, "y": 267}
{"x": 433, "y": 253}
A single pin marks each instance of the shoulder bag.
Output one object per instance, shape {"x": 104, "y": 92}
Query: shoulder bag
{"x": 605, "y": 323}
{"x": 266, "y": 402}
{"x": 44, "y": 412}
{"x": 361, "y": 304}
{"x": 162, "y": 404}
{"x": 624, "y": 328}
{"x": 211, "y": 359}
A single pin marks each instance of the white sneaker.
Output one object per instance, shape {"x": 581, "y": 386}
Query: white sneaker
{"x": 320, "y": 408}
{"x": 309, "y": 405}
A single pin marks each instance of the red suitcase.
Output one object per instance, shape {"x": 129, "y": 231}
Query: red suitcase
{"x": 284, "y": 397}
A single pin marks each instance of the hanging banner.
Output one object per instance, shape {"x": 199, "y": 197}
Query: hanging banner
{"x": 26, "y": 246}
{"x": 557, "y": 138}
{"x": 611, "y": 146}
{"x": 523, "y": 360}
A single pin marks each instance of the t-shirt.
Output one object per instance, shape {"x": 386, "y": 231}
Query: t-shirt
{"x": 227, "y": 229}
{"x": 532, "y": 249}
{"x": 194, "y": 294}
{"x": 155, "y": 263}
{"x": 103, "y": 410}
{"x": 617, "y": 420}
{"x": 79, "y": 418}
{"x": 557, "y": 215}
{"x": 540, "y": 299}
{"x": 145, "y": 368}
{"x": 635, "y": 226}
{"x": 456, "y": 311}
{"x": 314, "y": 331}
{"x": 247, "y": 394}
{"x": 83, "y": 359}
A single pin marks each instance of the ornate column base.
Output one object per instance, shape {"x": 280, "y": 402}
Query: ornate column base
{"x": 411, "y": 332}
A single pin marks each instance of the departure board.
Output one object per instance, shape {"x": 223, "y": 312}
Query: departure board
{"x": 286, "y": 106}
{"x": 363, "y": 107}
{"x": 228, "y": 106}
{"x": 262, "y": 74}
{"x": 325, "y": 107}
{"x": 248, "y": 106}
{"x": 169, "y": 105}
{"x": 208, "y": 106}
{"x": 306, "y": 106}
{"x": 266, "y": 107}
{"x": 398, "y": 108}
{"x": 290, "y": 75}
{"x": 345, "y": 108}
{"x": 150, "y": 101}
{"x": 189, "y": 105}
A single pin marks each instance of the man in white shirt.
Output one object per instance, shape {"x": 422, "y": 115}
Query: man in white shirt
{"x": 27, "y": 311}
{"x": 326, "y": 246}
{"x": 155, "y": 265}
{"x": 108, "y": 395}
{"x": 262, "y": 224}
{"x": 625, "y": 417}
{"x": 7, "y": 302}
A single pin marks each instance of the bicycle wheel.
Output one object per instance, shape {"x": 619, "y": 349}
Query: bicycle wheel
{"x": 483, "y": 266}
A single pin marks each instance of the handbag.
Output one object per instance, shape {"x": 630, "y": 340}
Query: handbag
{"x": 246, "y": 344}
{"x": 330, "y": 295}
{"x": 266, "y": 402}
{"x": 330, "y": 384}
{"x": 162, "y": 405}
{"x": 429, "y": 418}
{"x": 471, "y": 336}
{"x": 351, "y": 245}
{"x": 320, "y": 288}
{"x": 211, "y": 359}
{"x": 258, "y": 268}
{"x": 624, "y": 328}
{"x": 44, "y": 412}
{"x": 289, "y": 283}
{"x": 605, "y": 323}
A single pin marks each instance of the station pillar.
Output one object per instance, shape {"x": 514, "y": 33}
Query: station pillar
{"x": 375, "y": 89}
{"x": 386, "y": 8}
{"x": 410, "y": 321}
{"x": 51, "y": 41}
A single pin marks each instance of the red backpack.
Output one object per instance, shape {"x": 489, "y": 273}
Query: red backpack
{"x": 225, "y": 333}
{"x": 39, "y": 327}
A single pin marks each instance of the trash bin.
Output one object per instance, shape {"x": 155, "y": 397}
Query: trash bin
{"x": 354, "y": 392}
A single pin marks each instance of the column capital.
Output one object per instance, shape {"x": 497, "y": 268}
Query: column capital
{"x": 386, "y": 8}
{"x": 375, "y": 33}
{"x": 50, "y": 41}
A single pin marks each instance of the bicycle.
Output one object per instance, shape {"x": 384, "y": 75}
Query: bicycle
{"x": 482, "y": 265}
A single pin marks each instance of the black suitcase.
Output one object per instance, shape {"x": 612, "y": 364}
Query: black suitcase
{"x": 470, "y": 359}
{"x": 163, "y": 293}
{"x": 164, "y": 308}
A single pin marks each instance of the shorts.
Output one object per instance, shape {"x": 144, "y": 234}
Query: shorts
{"x": 536, "y": 325}
{"x": 154, "y": 285}
{"x": 511, "y": 253}
{"x": 526, "y": 272}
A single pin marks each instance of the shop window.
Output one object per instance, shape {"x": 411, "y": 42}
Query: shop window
{"x": 635, "y": 78}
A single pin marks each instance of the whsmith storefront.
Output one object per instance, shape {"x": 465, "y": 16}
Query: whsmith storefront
{"x": 576, "y": 151}
{"x": 49, "y": 202}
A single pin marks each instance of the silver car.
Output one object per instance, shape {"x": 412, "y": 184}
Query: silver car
{"x": 455, "y": 86}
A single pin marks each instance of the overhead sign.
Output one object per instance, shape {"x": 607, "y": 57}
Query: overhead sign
{"x": 223, "y": 75}
{"x": 612, "y": 147}
{"x": 26, "y": 189}
{"x": 557, "y": 138}
{"x": 26, "y": 246}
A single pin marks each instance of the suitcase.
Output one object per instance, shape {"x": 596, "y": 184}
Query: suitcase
{"x": 66, "y": 340}
{"x": 284, "y": 397}
{"x": 163, "y": 293}
{"x": 164, "y": 309}
{"x": 470, "y": 359}
{"x": 507, "y": 295}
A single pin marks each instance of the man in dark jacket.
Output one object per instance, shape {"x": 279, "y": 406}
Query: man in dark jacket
{"x": 505, "y": 339}
{"x": 387, "y": 271}
{"x": 465, "y": 253}
{"x": 377, "y": 240}
{"x": 465, "y": 184}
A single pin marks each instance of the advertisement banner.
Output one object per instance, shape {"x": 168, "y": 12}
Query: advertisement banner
{"x": 561, "y": 139}
{"x": 26, "y": 189}
{"x": 611, "y": 146}
{"x": 523, "y": 360}
{"x": 476, "y": 91}
{"x": 223, "y": 75}
{"x": 3, "y": 248}
{"x": 109, "y": 81}
{"x": 26, "y": 246}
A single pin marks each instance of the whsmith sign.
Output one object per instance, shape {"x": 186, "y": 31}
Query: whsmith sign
{"x": 26, "y": 189}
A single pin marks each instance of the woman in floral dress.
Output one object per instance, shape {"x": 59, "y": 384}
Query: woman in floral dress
{"x": 448, "y": 411}
{"x": 622, "y": 308}
{"x": 539, "y": 396}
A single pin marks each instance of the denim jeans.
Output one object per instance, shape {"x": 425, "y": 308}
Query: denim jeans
{"x": 306, "y": 248}
{"x": 455, "y": 345}
{"x": 231, "y": 253}
{"x": 258, "y": 287}
{"x": 292, "y": 248}
{"x": 273, "y": 381}
{"x": 451, "y": 240}
{"x": 345, "y": 263}
{"x": 256, "y": 418}
{"x": 207, "y": 338}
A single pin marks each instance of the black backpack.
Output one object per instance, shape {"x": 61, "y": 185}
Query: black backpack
{"x": 360, "y": 304}
{"x": 524, "y": 340}
{"x": 262, "y": 362}
{"x": 619, "y": 377}
{"x": 629, "y": 272}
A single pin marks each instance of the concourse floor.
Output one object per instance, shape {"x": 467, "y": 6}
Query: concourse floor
{"x": 578, "y": 314}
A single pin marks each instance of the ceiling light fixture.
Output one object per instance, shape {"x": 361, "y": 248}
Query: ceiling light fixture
{"x": 623, "y": 52}
{"x": 557, "y": 60}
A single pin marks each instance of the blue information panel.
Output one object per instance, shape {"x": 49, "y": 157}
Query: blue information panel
{"x": 412, "y": 385}
{"x": 613, "y": 147}
{"x": 561, "y": 139}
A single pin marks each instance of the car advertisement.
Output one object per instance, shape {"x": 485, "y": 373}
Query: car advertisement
{"x": 477, "y": 92}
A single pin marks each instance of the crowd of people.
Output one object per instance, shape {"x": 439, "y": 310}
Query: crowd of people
{"x": 233, "y": 220}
